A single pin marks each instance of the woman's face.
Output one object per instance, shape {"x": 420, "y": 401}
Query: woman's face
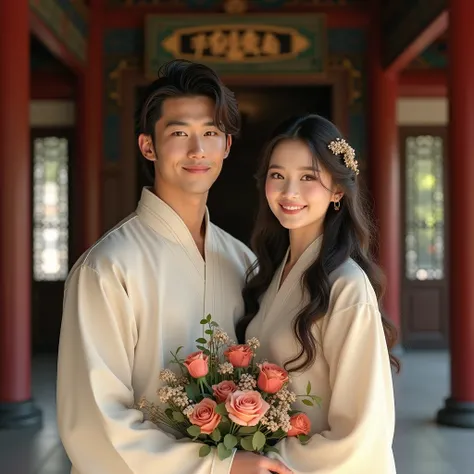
{"x": 298, "y": 190}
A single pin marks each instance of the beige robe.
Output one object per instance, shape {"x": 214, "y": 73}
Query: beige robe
{"x": 136, "y": 295}
{"x": 353, "y": 431}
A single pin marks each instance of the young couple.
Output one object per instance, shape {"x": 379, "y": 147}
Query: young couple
{"x": 311, "y": 297}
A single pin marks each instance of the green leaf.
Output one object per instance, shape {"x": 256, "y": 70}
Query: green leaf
{"x": 271, "y": 449}
{"x": 317, "y": 400}
{"x": 203, "y": 349}
{"x": 224, "y": 428}
{"x": 203, "y": 321}
{"x": 308, "y": 403}
{"x": 209, "y": 318}
{"x": 214, "y": 324}
{"x": 247, "y": 430}
{"x": 178, "y": 416}
{"x": 194, "y": 431}
{"x": 258, "y": 441}
{"x": 209, "y": 331}
{"x": 216, "y": 435}
{"x": 220, "y": 409}
{"x": 246, "y": 443}
{"x": 178, "y": 349}
{"x": 222, "y": 451}
{"x": 308, "y": 388}
{"x": 230, "y": 441}
{"x": 169, "y": 413}
{"x": 191, "y": 391}
{"x": 204, "y": 451}
{"x": 304, "y": 438}
{"x": 201, "y": 340}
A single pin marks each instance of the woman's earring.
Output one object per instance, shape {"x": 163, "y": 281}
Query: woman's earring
{"x": 337, "y": 205}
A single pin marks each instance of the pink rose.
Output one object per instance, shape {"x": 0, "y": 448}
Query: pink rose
{"x": 272, "y": 378}
{"x": 300, "y": 425}
{"x": 205, "y": 416}
{"x": 239, "y": 355}
{"x": 223, "y": 389}
{"x": 196, "y": 363}
{"x": 246, "y": 408}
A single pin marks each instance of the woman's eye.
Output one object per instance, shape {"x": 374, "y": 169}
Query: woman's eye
{"x": 308, "y": 177}
{"x": 276, "y": 176}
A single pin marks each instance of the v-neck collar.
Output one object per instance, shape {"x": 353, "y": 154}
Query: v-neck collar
{"x": 164, "y": 220}
{"x": 310, "y": 254}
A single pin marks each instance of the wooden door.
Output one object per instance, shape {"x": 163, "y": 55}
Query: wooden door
{"x": 425, "y": 288}
{"x": 51, "y": 232}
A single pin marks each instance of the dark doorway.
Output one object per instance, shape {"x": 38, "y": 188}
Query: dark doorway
{"x": 233, "y": 198}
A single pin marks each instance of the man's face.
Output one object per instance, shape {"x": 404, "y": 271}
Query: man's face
{"x": 189, "y": 148}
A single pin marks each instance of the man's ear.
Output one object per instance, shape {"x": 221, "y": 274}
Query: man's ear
{"x": 145, "y": 143}
{"x": 228, "y": 145}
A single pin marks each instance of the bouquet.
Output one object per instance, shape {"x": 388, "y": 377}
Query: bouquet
{"x": 224, "y": 398}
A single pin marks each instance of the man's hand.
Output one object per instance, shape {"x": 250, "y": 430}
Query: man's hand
{"x": 251, "y": 463}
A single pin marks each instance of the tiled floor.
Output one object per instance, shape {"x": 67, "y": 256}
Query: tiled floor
{"x": 421, "y": 447}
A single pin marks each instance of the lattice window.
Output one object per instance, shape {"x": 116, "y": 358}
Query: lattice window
{"x": 50, "y": 209}
{"x": 424, "y": 239}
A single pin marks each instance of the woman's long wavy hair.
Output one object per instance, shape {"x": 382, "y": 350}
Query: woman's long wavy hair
{"x": 347, "y": 234}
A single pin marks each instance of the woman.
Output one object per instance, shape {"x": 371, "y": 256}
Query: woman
{"x": 314, "y": 302}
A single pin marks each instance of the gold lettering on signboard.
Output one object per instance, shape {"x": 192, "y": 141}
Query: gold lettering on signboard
{"x": 236, "y": 43}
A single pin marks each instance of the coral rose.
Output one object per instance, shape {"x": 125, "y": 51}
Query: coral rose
{"x": 204, "y": 415}
{"x": 196, "y": 363}
{"x": 300, "y": 425}
{"x": 223, "y": 389}
{"x": 246, "y": 408}
{"x": 272, "y": 378}
{"x": 239, "y": 355}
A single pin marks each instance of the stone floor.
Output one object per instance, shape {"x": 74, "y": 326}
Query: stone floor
{"x": 421, "y": 447}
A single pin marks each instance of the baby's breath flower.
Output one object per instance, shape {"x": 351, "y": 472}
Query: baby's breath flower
{"x": 168, "y": 377}
{"x": 174, "y": 395}
{"x": 220, "y": 337}
{"x": 253, "y": 343}
{"x": 225, "y": 368}
{"x": 247, "y": 382}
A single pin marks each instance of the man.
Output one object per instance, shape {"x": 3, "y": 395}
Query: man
{"x": 143, "y": 288}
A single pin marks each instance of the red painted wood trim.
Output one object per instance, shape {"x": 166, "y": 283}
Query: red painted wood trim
{"x": 15, "y": 204}
{"x": 337, "y": 17}
{"x": 54, "y": 44}
{"x": 460, "y": 189}
{"x": 423, "y": 83}
{"x": 424, "y": 39}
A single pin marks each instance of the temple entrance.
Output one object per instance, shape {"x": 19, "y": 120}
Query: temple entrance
{"x": 233, "y": 198}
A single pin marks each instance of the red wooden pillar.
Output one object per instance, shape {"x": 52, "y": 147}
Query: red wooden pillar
{"x": 385, "y": 167}
{"x": 16, "y": 406}
{"x": 459, "y": 408}
{"x": 91, "y": 130}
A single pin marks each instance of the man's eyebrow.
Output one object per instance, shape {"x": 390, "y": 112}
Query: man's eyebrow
{"x": 184, "y": 123}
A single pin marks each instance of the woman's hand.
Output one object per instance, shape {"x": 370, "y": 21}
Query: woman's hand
{"x": 251, "y": 463}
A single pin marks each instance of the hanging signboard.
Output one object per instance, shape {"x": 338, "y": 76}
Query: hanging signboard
{"x": 249, "y": 44}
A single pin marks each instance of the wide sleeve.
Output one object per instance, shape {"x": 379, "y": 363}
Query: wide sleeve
{"x": 361, "y": 413}
{"x": 101, "y": 432}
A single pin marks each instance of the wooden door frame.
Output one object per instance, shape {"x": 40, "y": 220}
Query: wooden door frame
{"x": 404, "y": 132}
{"x": 70, "y": 133}
{"x": 131, "y": 79}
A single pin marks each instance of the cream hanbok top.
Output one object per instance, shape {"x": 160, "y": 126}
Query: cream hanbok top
{"x": 353, "y": 431}
{"x": 136, "y": 295}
